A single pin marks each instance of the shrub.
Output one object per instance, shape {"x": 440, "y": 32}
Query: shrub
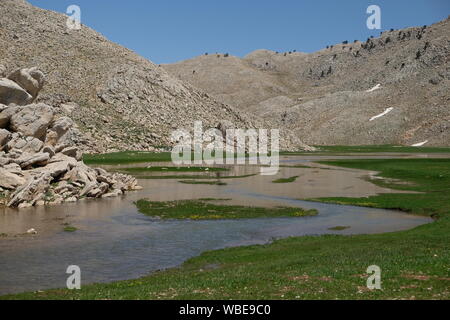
{"x": 345, "y": 42}
{"x": 418, "y": 54}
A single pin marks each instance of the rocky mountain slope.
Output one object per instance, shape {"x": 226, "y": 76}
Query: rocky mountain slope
{"x": 326, "y": 96}
{"x": 118, "y": 99}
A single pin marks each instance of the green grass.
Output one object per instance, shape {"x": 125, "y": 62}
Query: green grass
{"x": 339, "y": 228}
{"x": 430, "y": 177}
{"x": 69, "y": 228}
{"x": 415, "y": 263}
{"x": 127, "y": 157}
{"x": 204, "y": 210}
{"x": 172, "y": 169}
{"x": 384, "y": 148}
{"x": 213, "y": 183}
{"x": 369, "y": 149}
{"x": 286, "y": 180}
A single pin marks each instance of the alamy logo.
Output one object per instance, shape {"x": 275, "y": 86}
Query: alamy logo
{"x": 227, "y": 146}
{"x": 74, "y": 280}
{"x": 374, "y": 280}
{"x": 73, "y": 21}
{"x": 374, "y": 20}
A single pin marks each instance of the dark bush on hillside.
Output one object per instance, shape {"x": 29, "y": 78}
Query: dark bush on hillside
{"x": 418, "y": 54}
{"x": 345, "y": 42}
{"x": 226, "y": 55}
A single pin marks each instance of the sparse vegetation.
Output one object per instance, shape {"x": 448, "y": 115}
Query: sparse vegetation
{"x": 214, "y": 183}
{"x": 339, "y": 228}
{"x": 205, "y": 210}
{"x": 69, "y": 228}
{"x": 286, "y": 180}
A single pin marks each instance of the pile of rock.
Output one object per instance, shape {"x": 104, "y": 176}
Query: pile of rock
{"x": 39, "y": 161}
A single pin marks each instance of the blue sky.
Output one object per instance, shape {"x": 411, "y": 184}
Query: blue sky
{"x": 166, "y": 31}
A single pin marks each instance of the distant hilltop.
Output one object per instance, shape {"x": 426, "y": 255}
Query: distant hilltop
{"x": 329, "y": 97}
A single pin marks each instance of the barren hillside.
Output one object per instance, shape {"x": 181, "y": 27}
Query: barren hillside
{"x": 119, "y": 99}
{"x": 323, "y": 96}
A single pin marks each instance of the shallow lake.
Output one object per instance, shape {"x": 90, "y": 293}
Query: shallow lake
{"x": 115, "y": 242}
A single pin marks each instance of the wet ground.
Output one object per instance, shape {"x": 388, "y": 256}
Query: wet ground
{"x": 115, "y": 242}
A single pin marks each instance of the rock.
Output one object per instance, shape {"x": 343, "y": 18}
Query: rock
{"x": 12, "y": 93}
{"x": 55, "y": 169}
{"x": 114, "y": 193}
{"x": 2, "y": 71}
{"x": 32, "y": 80}
{"x": 32, "y": 231}
{"x": 82, "y": 174}
{"x": 69, "y": 107}
{"x": 62, "y": 157}
{"x": 33, "y": 120}
{"x": 94, "y": 193}
{"x": 61, "y": 126}
{"x": 6, "y": 114}
{"x": 40, "y": 203}
{"x": 72, "y": 199}
{"x": 10, "y": 180}
{"x": 14, "y": 168}
{"x": 70, "y": 152}
{"x": 5, "y": 136}
{"x": 32, "y": 191}
{"x": 49, "y": 150}
{"x": 28, "y": 160}
{"x": 90, "y": 188}
{"x": 51, "y": 139}
{"x": 27, "y": 145}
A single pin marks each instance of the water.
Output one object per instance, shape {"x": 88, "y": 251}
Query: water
{"x": 115, "y": 242}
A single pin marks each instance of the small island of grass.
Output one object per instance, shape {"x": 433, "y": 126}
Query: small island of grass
{"x": 205, "y": 210}
{"x": 286, "y": 180}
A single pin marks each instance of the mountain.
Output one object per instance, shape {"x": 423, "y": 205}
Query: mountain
{"x": 118, "y": 99}
{"x": 330, "y": 96}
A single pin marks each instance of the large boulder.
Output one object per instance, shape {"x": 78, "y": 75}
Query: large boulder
{"x": 29, "y": 160}
{"x": 33, "y": 120}
{"x": 12, "y": 93}
{"x": 32, "y": 191}
{"x": 10, "y": 180}
{"x": 63, "y": 133}
{"x": 32, "y": 80}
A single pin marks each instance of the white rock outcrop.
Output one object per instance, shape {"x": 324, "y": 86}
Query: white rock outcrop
{"x": 39, "y": 160}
